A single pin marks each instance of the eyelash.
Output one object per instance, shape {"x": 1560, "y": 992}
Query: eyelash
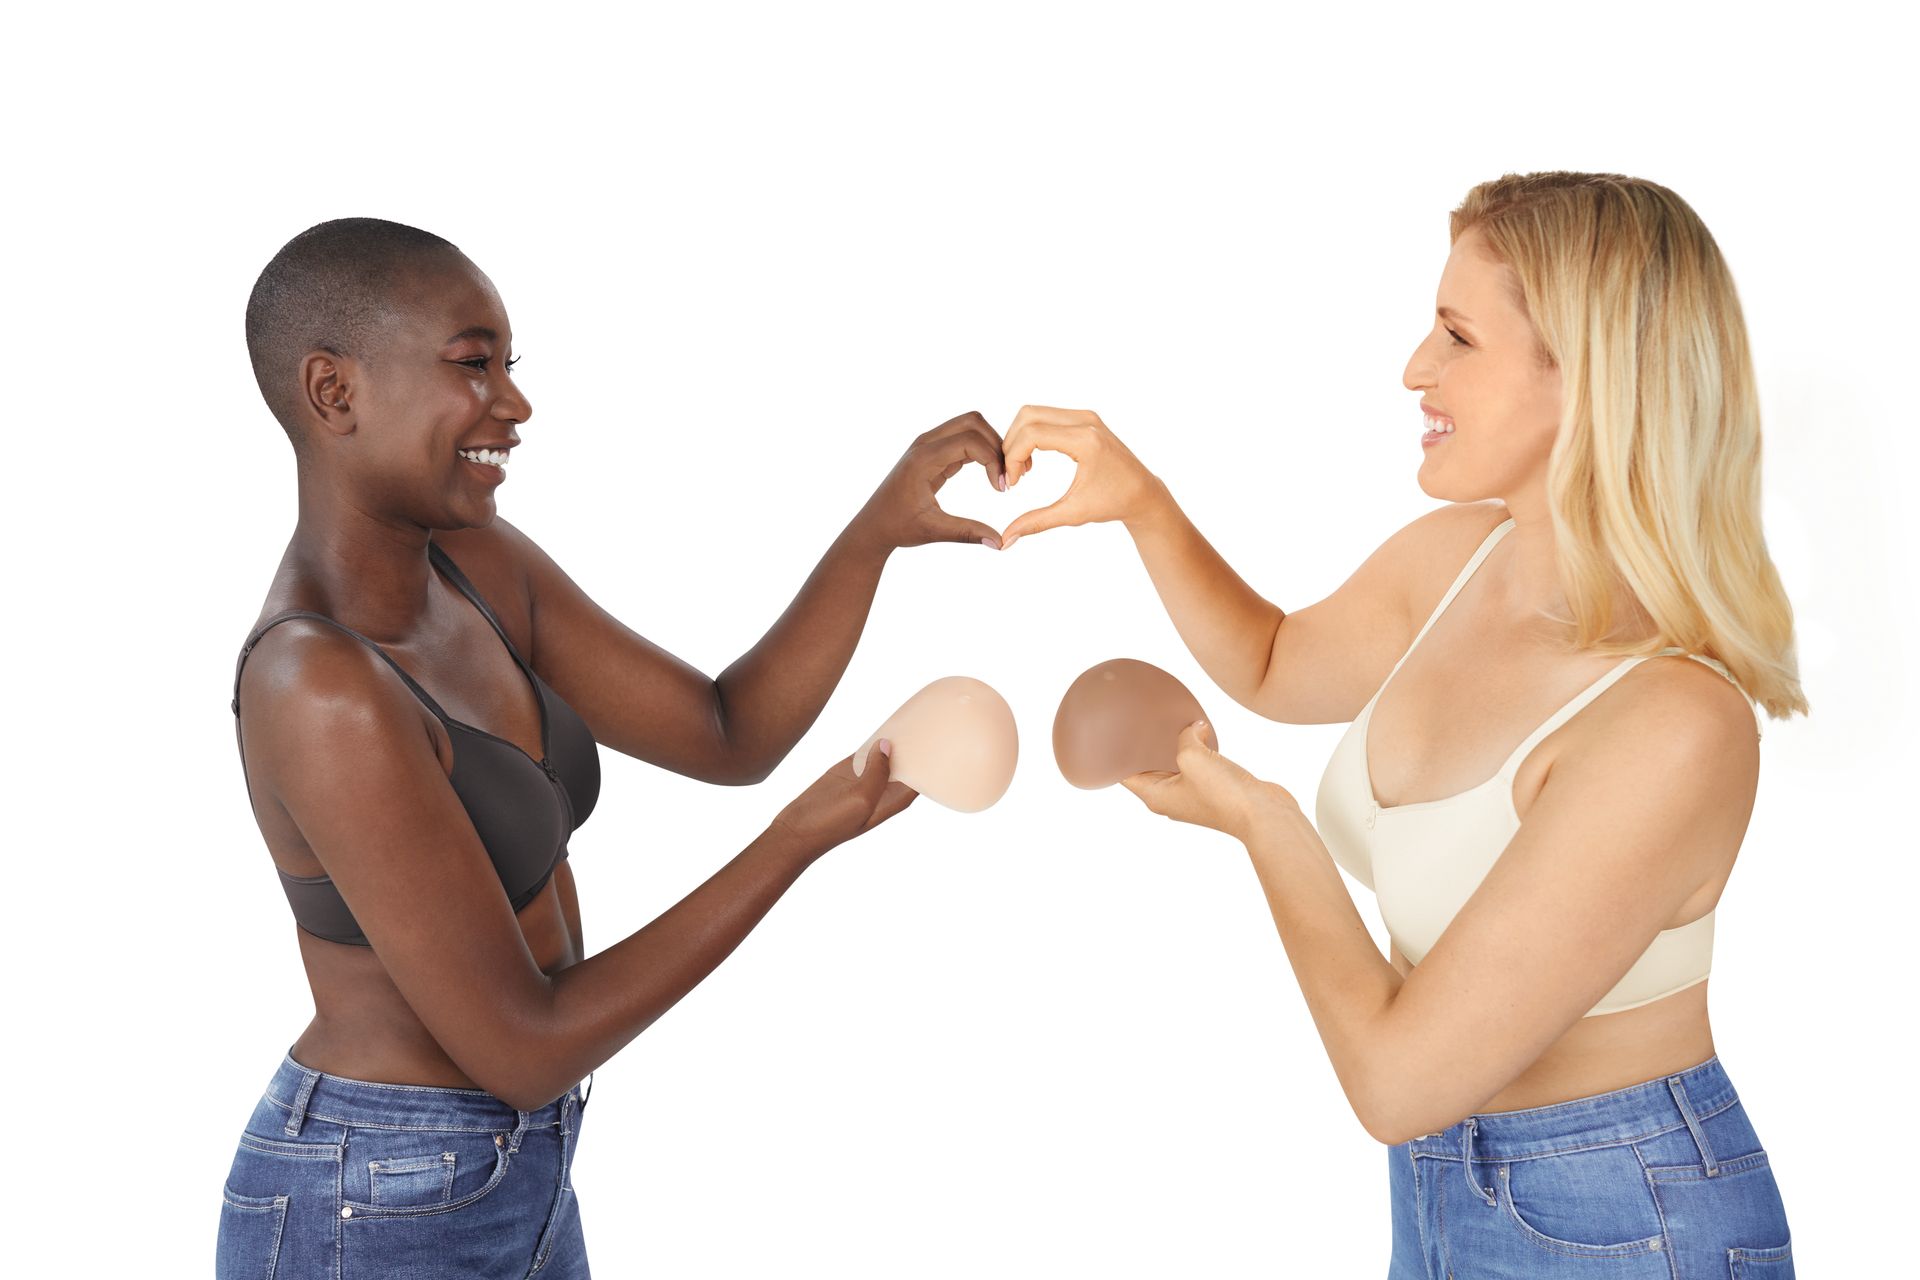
{"x": 482, "y": 362}
{"x": 1457, "y": 338}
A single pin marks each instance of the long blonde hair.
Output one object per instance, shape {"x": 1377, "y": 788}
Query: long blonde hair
{"x": 1654, "y": 478}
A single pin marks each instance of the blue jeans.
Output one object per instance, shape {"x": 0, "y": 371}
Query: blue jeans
{"x": 343, "y": 1179}
{"x": 1664, "y": 1180}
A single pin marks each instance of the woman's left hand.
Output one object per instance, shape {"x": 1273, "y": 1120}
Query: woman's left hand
{"x": 904, "y": 511}
{"x": 1209, "y": 790}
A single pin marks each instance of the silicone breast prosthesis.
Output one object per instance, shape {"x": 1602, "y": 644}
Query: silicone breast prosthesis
{"x": 954, "y": 742}
{"x": 1120, "y": 718}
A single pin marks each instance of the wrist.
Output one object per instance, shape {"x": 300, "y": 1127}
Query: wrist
{"x": 864, "y": 540}
{"x": 1274, "y": 821}
{"x": 788, "y": 848}
{"x": 1155, "y": 510}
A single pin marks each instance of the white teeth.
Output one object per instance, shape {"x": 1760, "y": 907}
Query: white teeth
{"x": 1436, "y": 424}
{"x": 493, "y": 457}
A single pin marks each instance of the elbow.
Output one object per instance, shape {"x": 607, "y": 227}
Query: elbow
{"x": 1384, "y": 1127}
{"x": 1401, "y": 1115}
{"x": 733, "y": 770}
{"x": 1388, "y": 1108}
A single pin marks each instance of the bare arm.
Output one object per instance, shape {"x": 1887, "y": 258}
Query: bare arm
{"x": 1316, "y": 664}
{"x": 324, "y": 720}
{"x": 644, "y": 702}
{"x": 1572, "y": 902}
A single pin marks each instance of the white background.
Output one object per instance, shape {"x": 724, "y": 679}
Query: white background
{"x": 748, "y": 254}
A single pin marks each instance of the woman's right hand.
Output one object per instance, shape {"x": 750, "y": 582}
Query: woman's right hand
{"x": 840, "y": 806}
{"x": 1109, "y": 483}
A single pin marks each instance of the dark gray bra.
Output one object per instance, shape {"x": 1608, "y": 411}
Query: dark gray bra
{"x": 524, "y": 809}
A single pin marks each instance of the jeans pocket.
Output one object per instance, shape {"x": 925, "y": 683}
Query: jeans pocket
{"x": 1593, "y": 1204}
{"x": 415, "y": 1172}
{"x": 248, "y": 1246}
{"x": 1761, "y": 1264}
{"x": 412, "y": 1181}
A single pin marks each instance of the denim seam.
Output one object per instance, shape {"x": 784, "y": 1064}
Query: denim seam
{"x": 291, "y": 1150}
{"x": 544, "y": 1248}
{"x": 1777, "y": 1253}
{"x": 1598, "y": 1146}
{"x": 279, "y": 1211}
{"x": 372, "y": 1212}
{"x": 1660, "y": 1211}
{"x": 1420, "y": 1212}
{"x": 410, "y": 1128}
{"x": 1685, "y": 1172}
{"x": 441, "y": 1164}
{"x": 1607, "y": 1099}
{"x": 339, "y": 1226}
{"x": 380, "y": 1084}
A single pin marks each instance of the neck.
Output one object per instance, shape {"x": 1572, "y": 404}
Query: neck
{"x": 369, "y": 571}
{"x": 1529, "y": 587}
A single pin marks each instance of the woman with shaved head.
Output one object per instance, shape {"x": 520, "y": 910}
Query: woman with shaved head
{"x": 418, "y": 711}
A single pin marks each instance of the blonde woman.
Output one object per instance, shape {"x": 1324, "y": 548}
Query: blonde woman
{"x": 1535, "y": 1051}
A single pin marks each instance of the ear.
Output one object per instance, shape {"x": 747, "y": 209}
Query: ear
{"x": 326, "y": 385}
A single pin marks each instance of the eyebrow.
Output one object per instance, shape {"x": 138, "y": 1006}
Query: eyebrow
{"x": 473, "y": 331}
{"x": 1450, "y": 314}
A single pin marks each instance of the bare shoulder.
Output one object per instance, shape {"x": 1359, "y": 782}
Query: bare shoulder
{"x": 1329, "y": 657}
{"x": 305, "y": 677}
{"x": 1685, "y": 717}
{"x": 1430, "y": 551}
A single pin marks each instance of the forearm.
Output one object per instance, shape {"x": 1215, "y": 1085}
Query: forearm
{"x": 1224, "y": 623}
{"x": 771, "y": 695}
{"x": 1348, "y": 985}
{"x": 595, "y": 1007}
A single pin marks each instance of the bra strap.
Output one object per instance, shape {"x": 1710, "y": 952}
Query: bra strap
{"x": 278, "y": 618}
{"x": 1569, "y": 710}
{"x": 1486, "y": 546}
{"x": 1593, "y": 691}
{"x": 468, "y": 590}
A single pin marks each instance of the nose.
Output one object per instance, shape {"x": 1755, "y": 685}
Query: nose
{"x": 513, "y": 405}
{"x": 1418, "y": 375}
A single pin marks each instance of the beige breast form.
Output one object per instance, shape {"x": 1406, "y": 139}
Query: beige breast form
{"x": 1120, "y": 718}
{"x": 954, "y": 742}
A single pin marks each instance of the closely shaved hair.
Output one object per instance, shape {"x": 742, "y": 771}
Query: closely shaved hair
{"x": 336, "y": 287}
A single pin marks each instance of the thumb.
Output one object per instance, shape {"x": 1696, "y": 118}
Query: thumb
{"x": 958, "y": 529}
{"x": 1141, "y": 783}
{"x": 1195, "y": 744}
{"x": 872, "y": 779}
{"x": 1037, "y": 521}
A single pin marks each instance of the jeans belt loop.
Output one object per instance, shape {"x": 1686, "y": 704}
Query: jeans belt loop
{"x": 1466, "y": 1162}
{"x": 298, "y": 1115}
{"x": 1685, "y": 1104}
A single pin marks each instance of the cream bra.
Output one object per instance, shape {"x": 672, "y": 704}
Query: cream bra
{"x": 1424, "y": 860}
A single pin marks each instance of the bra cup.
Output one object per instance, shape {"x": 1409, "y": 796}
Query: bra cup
{"x": 573, "y": 753}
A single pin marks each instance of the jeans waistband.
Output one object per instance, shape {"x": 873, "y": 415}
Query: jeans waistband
{"x": 302, "y": 1092}
{"x": 1676, "y": 1101}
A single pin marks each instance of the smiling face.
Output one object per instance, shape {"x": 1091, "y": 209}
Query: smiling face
{"x": 1479, "y": 373}
{"x": 397, "y": 424}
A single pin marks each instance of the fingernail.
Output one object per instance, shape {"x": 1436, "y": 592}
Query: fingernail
{"x": 1000, "y": 481}
{"x": 886, "y": 748}
{"x": 990, "y": 542}
{"x": 1009, "y": 542}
